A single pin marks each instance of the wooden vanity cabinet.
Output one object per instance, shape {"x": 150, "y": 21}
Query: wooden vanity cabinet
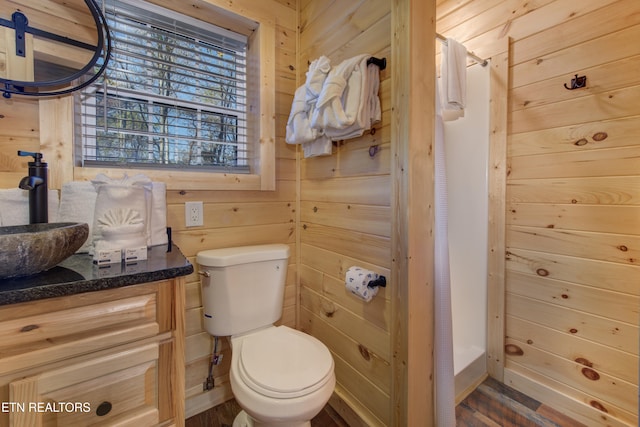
{"x": 112, "y": 357}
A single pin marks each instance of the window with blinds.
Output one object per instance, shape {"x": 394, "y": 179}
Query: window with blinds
{"x": 173, "y": 94}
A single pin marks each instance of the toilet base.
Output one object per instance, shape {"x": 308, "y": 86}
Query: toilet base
{"x": 244, "y": 420}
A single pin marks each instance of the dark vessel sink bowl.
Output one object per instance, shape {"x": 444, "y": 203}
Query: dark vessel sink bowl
{"x": 31, "y": 249}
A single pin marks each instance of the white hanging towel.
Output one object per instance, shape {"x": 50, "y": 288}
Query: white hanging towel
{"x": 453, "y": 80}
{"x": 298, "y": 126}
{"x": 299, "y": 129}
{"x": 317, "y": 74}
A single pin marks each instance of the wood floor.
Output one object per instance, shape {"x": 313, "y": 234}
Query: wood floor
{"x": 223, "y": 415}
{"x": 492, "y": 404}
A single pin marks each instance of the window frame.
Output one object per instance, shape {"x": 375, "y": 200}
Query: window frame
{"x": 261, "y": 138}
{"x": 138, "y": 94}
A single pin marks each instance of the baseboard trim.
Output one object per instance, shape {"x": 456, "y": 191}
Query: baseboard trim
{"x": 470, "y": 377}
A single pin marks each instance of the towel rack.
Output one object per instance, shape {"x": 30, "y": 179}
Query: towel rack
{"x": 471, "y": 55}
{"x": 380, "y": 62}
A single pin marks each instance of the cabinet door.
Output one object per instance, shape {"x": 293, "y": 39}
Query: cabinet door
{"x": 118, "y": 388}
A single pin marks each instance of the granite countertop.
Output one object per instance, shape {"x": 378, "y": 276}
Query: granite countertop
{"x": 79, "y": 274}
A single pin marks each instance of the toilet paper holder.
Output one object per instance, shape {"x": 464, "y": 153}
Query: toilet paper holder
{"x": 363, "y": 283}
{"x": 380, "y": 281}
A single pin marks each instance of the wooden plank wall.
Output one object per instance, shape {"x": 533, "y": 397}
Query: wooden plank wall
{"x": 345, "y": 216}
{"x": 572, "y": 218}
{"x": 231, "y": 218}
{"x": 573, "y": 197}
{"x": 238, "y": 218}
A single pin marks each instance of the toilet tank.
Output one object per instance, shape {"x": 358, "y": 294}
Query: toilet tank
{"x": 242, "y": 287}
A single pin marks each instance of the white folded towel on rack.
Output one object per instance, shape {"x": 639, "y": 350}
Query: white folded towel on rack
{"x": 316, "y": 76}
{"x": 453, "y": 79}
{"x": 299, "y": 129}
{"x": 369, "y": 112}
{"x": 341, "y": 98}
{"x": 334, "y": 104}
{"x": 14, "y": 206}
{"x": 78, "y": 204}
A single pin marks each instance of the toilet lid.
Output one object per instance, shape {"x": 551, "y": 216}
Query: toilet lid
{"x": 282, "y": 361}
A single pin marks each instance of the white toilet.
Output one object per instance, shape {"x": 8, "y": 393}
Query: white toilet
{"x": 279, "y": 376}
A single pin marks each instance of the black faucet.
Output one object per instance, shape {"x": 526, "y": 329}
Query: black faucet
{"x": 36, "y": 183}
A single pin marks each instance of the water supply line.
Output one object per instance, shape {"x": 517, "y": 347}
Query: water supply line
{"x": 216, "y": 359}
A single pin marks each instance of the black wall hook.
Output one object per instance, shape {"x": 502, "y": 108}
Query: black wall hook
{"x": 380, "y": 62}
{"x": 577, "y": 82}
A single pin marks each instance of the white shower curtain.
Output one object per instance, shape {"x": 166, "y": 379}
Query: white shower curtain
{"x": 443, "y": 339}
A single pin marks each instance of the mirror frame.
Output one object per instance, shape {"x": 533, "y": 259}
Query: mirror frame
{"x": 16, "y": 87}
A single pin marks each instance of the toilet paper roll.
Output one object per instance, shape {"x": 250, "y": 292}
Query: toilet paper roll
{"x": 357, "y": 280}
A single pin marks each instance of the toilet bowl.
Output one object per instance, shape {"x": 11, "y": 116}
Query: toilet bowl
{"x": 280, "y": 377}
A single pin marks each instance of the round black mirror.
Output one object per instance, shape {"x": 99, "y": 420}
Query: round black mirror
{"x": 47, "y": 59}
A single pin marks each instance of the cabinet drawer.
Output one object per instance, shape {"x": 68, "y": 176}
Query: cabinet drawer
{"x": 43, "y": 334}
{"x": 118, "y": 388}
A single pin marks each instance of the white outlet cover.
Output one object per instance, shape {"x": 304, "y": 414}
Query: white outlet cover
{"x": 193, "y": 214}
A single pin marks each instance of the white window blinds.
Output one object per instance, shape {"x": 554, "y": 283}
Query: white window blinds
{"x": 173, "y": 94}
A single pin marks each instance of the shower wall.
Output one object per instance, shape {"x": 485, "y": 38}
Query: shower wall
{"x": 467, "y": 153}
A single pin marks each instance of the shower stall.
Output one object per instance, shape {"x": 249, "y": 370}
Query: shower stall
{"x": 467, "y": 155}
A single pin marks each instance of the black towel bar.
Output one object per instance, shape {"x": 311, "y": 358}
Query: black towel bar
{"x": 380, "y": 62}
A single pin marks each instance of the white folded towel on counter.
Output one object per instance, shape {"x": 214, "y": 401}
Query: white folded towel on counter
{"x": 158, "y": 229}
{"x": 78, "y": 204}
{"x": 133, "y": 193}
{"x": 14, "y": 206}
{"x": 54, "y": 205}
{"x": 121, "y": 228}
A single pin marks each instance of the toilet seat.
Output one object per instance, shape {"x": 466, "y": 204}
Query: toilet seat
{"x": 281, "y": 362}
